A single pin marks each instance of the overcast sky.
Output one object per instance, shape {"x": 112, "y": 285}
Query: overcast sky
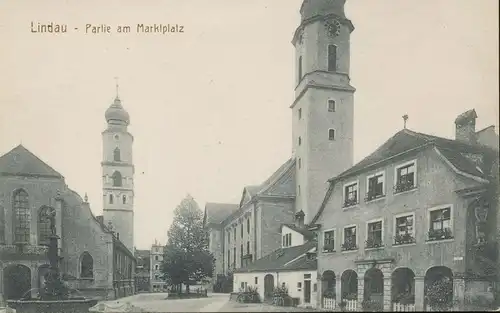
{"x": 210, "y": 107}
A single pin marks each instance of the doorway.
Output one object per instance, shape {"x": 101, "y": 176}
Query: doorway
{"x": 307, "y": 291}
{"x": 268, "y": 286}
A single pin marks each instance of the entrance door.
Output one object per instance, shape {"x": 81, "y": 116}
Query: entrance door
{"x": 268, "y": 286}
{"x": 307, "y": 291}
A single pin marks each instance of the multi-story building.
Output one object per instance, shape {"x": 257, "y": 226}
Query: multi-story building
{"x": 419, "y": 210}
{"x": 158, "y": 284}
{"x": 142, "y": 270}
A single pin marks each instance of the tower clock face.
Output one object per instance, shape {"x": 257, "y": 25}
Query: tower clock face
{"x": 333, "y": 28}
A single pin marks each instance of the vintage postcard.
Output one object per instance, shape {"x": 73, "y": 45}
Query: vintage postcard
{"x": 249, "y": 155}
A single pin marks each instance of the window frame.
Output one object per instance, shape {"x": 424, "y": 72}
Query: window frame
{"x": 299, "y": 112}
{"x": 429, "y": 223}
{"x": 384, "y": 191}
{"x": 357, "y": 236}
{"x": 382, "y": 232}
{"x": 344, "y": 199}
{"x": 334, "y": 134}
{"x": 415, "y": 177}
{"x": 334, "y": 231}
{"x": 26, "y": 213}
{"x": 394, "y": 227}
{"x": 334, "y": 70}
{"x": 334, "y": 105}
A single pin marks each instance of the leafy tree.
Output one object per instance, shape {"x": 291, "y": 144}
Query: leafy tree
{"x": 186, "y": 258}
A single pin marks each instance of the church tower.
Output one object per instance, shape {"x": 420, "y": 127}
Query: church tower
{"x": 323, "y": 110}
{"x": 118, "y": 174}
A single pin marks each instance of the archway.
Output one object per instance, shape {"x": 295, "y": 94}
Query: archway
{"x": 438, "y": 290}
{"x": 17, "y": 281}
{"x": 349, "y": 285}
{"x": 374, "y": 286}
{"x": 268, "y": 286}
{"x": 328, "y": 284}
{"x": 403, "y": 286}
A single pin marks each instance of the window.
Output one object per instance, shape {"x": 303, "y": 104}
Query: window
{"x": 2, "y": 225}
{"x": 331, "y": 134}
{"x": 299, "y": 285}
{"x": 350, "y": 194}
{"x": 350, "y": 240}
{"x": 116, "y": 155}
{"x": 44, "y": 230}
{"x": 228, "y": 237}
{"x": 124, "y": 199}
{"x": 298, "y": 190}
{"x": 404, "y": 231}
{"x": 156, "y": 258}
{"x": 375, "y": 185}
{"x": 22, "y": 217}
{"x": 331, "y": 105}
{"x": 110, "y": 199}
{"x": 332, "y": 58}
{"x": 405, "y": 177}
{"x": 228, "y": 258}
{"x": 440, "y": 224}
{"x": 287, "y": 240}
{"x": 256, "y": 280}
{"x": 241, "y": 230}
{"x": 157, "y": 267}
{"x": 241, "y": 252}
{"x": 300, "y": 69}
{"x": 300, "y": 113}
{"x": 248, "y": 225}
{"x": 117, "y": 179}
{"x": 118, "y": 236}
{"x": 234, "y": 256}
{"x": 374, "y": 234}
{"x": 329, "y": 241}
{"x": 157, "y": 277}
{"x": 248, "y": 247}
{"x": 300, "y": 163}
{"x": 86, "y": 265}
{"x": 300, "y": 141}
{"x": 315, "y": 287}
{"x": 234, "y": 233}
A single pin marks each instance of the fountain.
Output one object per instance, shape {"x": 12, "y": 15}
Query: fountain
{"x": 55, "y": 295}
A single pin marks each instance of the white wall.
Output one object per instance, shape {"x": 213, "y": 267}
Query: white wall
{"x": 297, "y": 238}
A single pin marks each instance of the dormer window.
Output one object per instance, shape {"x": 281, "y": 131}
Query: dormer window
{"x": 350, "y": 194}
{"x": 287, "y": 240}
{"x": 405, "y": 177}
{"x": 375, "y": 186}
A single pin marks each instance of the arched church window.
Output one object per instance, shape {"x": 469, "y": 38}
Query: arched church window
{"x": 44, "y": 231}
{"x": 117, "y": 179}
{"x": 332, "y": 58}
{"x": 124, "y": 199}
{"x": 2, "y": 225}
{"x": 110, "y": 199}
{"x": 86, "y": 266}
{"x": 331, "y": 134}
{"x": 22, "y": 217}
{"x": 116, "y": 154}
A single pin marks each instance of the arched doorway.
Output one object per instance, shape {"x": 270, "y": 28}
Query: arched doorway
{"x": 439, "y": 288}
{"x": 17, "y": 281}
{"x": 268, "y": 286}
{"x": 403, "y": 286}
{"x": 349, "y": 285}
{"x": 374, "y": 286}
{"x": 328, "y": 290}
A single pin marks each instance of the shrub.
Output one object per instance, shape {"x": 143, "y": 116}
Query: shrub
{"x": 372, "y": 306}
{"x": 440, "y": 294}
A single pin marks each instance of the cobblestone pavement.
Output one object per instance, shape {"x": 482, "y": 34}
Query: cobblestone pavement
{"x": 233, "y": 306}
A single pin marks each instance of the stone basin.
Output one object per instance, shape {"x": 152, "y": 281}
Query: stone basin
{"x": 55, "y": 306}
{"x": 116, "y": 308}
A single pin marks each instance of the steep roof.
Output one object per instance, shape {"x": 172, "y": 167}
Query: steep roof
{"x": 469, "y": 158}
{"x": 303, "y": 231}
{"x": 284, "y": 259}
{"x": 20, "y": 161}
{"x": 217, "y": 212}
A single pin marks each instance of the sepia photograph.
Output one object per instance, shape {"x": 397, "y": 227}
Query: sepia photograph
{"x": 249, "y": 156}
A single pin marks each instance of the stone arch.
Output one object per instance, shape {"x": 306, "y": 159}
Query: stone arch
{"x": 328, "y": 284}
{"x": 403, "y": 285}
{"x": 16, "y": 281}
{"x": 374, "y": 285}
{"x": 86, "y": 265}
{"x": 117, "y": 179}
{"x": 349, "y": 285}
{"x": 438, "y": 282}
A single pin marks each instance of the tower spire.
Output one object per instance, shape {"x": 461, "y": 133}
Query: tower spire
{"x": 117, "y": 87}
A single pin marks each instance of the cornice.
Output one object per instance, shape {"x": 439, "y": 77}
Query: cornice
{"x": 315, "y": 85}
{"x": 304, "y": 23}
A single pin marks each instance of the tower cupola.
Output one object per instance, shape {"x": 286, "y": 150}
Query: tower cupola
{"x": 313, "y": 8}
{"x": 116, "y": 114}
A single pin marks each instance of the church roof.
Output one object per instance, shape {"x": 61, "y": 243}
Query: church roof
{"x": 276, "y": 184}
{"x": 284, "y": 259}
{"x": 217, "y": 212}
{"x": 22, "y": 162}
{"x": 117, "y": 113}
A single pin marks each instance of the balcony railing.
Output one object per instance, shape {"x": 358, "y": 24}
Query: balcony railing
{"x": 404, "y": 239}
{"x": 404, "y": 186}
{"x": 349, "y": 246}
{"x": 350, "y": 202}
{"x": 439, "y": 234}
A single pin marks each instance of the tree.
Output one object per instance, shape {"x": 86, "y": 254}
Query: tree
{"x": 186, "y": 258}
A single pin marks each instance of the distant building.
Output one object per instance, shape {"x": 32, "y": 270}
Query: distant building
{"x": 157, "y": 283}
{"x": 418, "y": 210}
{"x": 143, "y": 271}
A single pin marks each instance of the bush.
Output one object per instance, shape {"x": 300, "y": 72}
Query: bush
{"x": 372, "y": 306}
{"x": 251, "y": 295}
{"x": 440, "y": 294}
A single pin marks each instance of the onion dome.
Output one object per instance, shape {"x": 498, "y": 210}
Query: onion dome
{"x": 117, "y": 114}
{"x": 313, "y": 8}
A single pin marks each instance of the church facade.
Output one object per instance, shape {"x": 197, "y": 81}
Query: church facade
{"x": 96, "y": 261}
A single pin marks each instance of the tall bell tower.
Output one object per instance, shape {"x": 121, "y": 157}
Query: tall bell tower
{"x": 323, "y": 110}
{"x": 118, "y": 174}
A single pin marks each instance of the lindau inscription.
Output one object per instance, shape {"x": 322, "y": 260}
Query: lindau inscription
{"x": 56, "y": 28}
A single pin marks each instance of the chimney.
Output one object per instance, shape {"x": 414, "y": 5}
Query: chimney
{"x": 299, "y": 219}
{"x": 465, "y": 127}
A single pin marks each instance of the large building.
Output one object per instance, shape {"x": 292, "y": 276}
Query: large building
{"x": 157, "y": 283}
{"x": 95, "y": 261}
{"x": 322, "y": 145}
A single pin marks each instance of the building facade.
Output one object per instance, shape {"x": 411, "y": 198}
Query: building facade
{"x": 418, "y": 212}
{"x": 156, "y": 258}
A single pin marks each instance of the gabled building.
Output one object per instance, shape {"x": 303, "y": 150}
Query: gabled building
{"x": 420, "y": 209}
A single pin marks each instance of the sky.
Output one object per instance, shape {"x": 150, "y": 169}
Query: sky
{"x": 209, "y": 107}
